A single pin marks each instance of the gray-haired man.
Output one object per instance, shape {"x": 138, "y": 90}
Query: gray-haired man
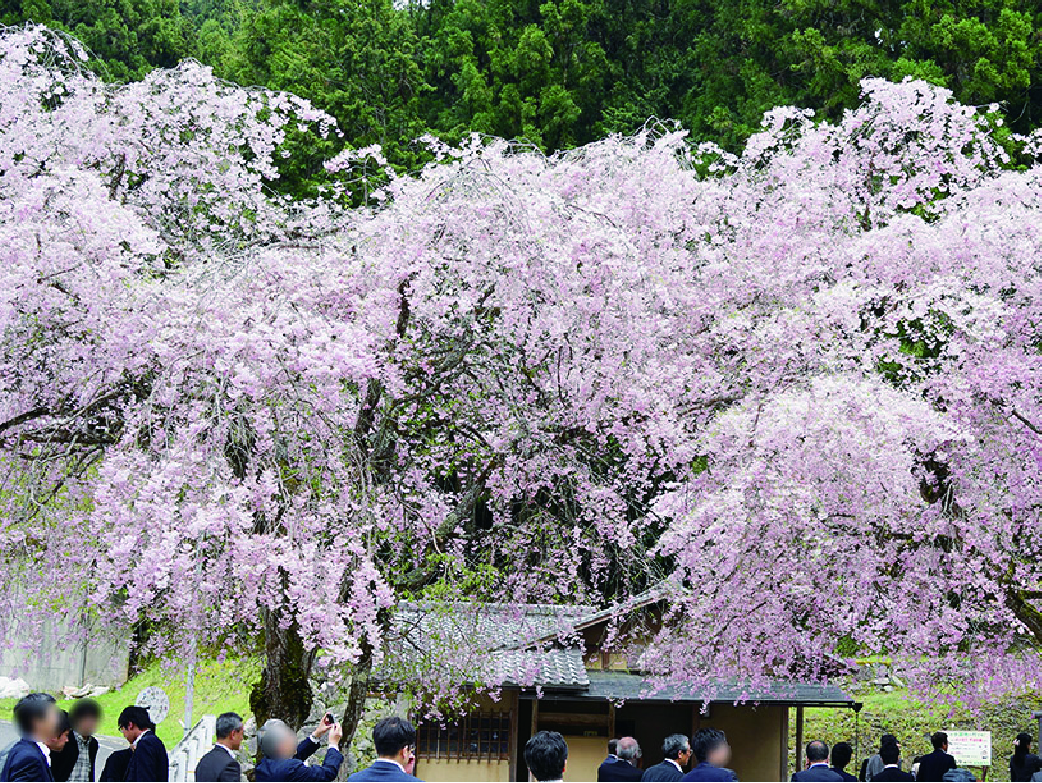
{"x": 220, "y": 764}
{"x": 623, "y": 768}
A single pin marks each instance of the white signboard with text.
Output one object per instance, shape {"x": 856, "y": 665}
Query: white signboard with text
{"x": 970, "y": 748}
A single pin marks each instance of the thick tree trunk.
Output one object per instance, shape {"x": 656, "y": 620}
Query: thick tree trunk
{"x": 284, "y": 689}
{"x": 355, "y": 710}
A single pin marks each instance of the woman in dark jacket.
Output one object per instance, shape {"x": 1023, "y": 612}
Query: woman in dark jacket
{"x": 1023, "y": 764}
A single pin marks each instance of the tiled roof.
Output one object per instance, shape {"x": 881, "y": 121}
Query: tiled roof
{"x": 548, "y": 669}
{"x": 489, "y": 642}
{"x": 495, "y": 626}
{"x": 623, "y": 686}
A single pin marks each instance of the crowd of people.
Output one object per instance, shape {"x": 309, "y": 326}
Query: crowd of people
{"x": 56, "y": 745}
{"x": 709, "y": 752}
{"x": 59, "y": 745}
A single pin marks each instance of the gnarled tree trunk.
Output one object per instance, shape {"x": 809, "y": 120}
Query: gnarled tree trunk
{"x": 355, "y": 709}
{"x": 284, "y": 689}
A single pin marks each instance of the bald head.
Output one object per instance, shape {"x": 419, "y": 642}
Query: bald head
{"x": 629, "y": 749}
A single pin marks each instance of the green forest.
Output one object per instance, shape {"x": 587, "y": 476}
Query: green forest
{"x": 560, "y": 73}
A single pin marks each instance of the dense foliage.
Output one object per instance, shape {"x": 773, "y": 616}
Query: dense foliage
{"x": 561, "y": 73}
{"x": 801, "y": 386}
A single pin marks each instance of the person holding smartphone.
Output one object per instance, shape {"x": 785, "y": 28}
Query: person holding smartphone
{"x": 284, "y": 758}
{"x": 395, "y": 741}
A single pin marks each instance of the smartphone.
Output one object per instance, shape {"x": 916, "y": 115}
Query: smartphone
{"x": 329, "y": 719}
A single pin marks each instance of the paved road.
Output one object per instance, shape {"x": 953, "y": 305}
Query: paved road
{"x": 8, "y": 734}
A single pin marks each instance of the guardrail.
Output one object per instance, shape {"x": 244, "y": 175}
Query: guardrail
{"x": 187, "y": 752}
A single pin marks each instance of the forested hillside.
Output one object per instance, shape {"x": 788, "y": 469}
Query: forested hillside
{"x": 563, "y": 72}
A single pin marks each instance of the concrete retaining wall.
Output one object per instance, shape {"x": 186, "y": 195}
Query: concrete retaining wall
{"x": 48, "y": 666}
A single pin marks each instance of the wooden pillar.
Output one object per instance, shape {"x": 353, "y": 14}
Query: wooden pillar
{"x": 512, "y": 742}
{"x": 799, "y": 738}
{"x": 535, "y": 728}
{"x": 611, "y": 720}
{"x": 783, "y": 745}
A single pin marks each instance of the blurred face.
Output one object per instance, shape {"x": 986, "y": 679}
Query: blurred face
{"x": 720, "y": 755}
{"x": 287, "y": 745}
{"x": 685, "y": 756}
{"x": 47, "y": 726}
{"x": 86, "y": 726}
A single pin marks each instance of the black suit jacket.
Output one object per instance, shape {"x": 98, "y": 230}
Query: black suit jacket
{"x": 295, "y": 768}
{"x": 1022, "y": 771}
{"x": 64, "y": 760}
{"x": 115, "y": 768}
{"x": 217, "y": 766}
{"x": 665, "y": 770}
{"x": 25, "y": 761}
{"x": 817, "y": 773}
{"x": 149, "y": 761}
{"x": 933, "y": 766}
{"x": 893, "y": 775}
{"x": 616, "y": 770}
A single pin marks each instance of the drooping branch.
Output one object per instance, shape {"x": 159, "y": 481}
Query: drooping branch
{"x": 1030, "y": 425}
{"x": 22, "y": 418}
{"x": 1026, "y": 612}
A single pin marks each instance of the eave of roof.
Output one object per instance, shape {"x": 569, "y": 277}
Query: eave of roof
{"x": 628, "y": 686}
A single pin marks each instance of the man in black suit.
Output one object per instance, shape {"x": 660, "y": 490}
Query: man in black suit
{"x": 149, "y": 760}
{"x": 817, "y": 770}
{"x": 624, "y": 766}
{"x": 873, "y": 765}
{"x": 677, "y": 751}
{"x": 890, "y": 755}
{"x": 934, "y": 765}
{"x": 29, "y": 758}
{"x": 76, "y": 761}
{"x": 284, "y": 757}
{"x": 220, "y": 764}
{"x": 842, "y": 753}
{"x": 612, "y": 757}
{"x": 712, "y": 753}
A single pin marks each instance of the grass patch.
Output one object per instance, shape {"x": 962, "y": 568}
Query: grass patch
{"x": 220, "y": 686}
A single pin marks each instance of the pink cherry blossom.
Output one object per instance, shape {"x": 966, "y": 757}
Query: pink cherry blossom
{"x": 799, "y": 388}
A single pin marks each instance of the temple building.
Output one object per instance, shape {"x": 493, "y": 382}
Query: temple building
{"x": 587, "y": 694}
